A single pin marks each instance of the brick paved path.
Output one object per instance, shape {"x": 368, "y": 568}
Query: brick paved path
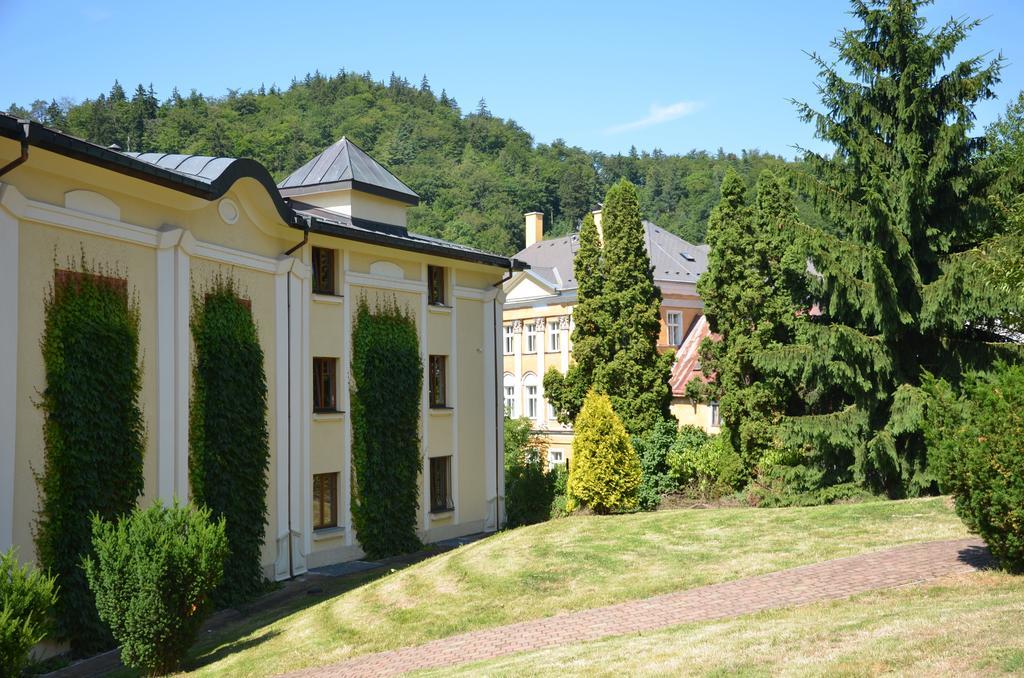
{"x": 822, "y": 581}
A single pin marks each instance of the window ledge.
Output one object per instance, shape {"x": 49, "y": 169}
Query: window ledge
{"x": 328, "y": 416}
{"x": 442, "y": 411}
{"x": 441, "y": 515}
{"x": 322, "y": 298}
{"x": 443, "y": 309}
{"x": 325, "y": 533}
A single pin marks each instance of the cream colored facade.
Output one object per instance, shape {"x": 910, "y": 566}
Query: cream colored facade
{"x": 165, "y": 240}
{"x": 542, "y": 298}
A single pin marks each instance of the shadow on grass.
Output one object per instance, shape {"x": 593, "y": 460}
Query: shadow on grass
{"x": 231, "y": 636}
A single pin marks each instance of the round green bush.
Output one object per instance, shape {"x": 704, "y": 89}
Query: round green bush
{"x": 26, "y": 596}
{"x": 712, "y": 469}
{"x": 977, "y": 443}
{"x": 153, "y": 576}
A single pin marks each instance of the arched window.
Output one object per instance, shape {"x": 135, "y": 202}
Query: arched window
{"x": 509, "y": 384}
{"x": 531, "y": 399}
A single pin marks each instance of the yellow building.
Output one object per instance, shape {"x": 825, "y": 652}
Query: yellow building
{"x": 536, "y": 333}
{"x": 303, "y": 253}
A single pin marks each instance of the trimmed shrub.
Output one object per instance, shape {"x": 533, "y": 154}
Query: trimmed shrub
{"x": 93, "y": 433}
{"x": 26, "y": 596}
{"x": 604, "y": 474}
{"x": 153, "y": 576}
{"x": 529, "y": 489}
{"x": 712, "y": 469}
{"x": 653, "y": 448}
{"x": 230, "y": 453}
{"x": 387, "y": 378}
{"x": 977, "y": 443}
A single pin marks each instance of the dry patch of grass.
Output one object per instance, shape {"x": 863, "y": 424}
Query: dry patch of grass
{"x": 567, "y": 565}
{"x": 965, "y": 625}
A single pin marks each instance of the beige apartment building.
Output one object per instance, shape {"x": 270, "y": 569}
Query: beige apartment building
{"x": 303, "y": 252}
{"x": 537, "y": 327}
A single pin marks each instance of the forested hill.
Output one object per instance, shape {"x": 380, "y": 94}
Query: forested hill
{"x": 477, "y": 173}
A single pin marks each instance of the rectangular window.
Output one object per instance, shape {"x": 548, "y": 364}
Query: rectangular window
{"x": 441, "y": 485}
{"x": 323, "y": 270}
{"x": 438, "y": 377}
{"x": 556, "y": 457}
{"x": 554, "y": 336}
{"x": 552, "y": 415}
{"x": 530, "y": 331}
{"x": 325, "y": 500}
{"x": 674, "y": 321}
{"x": 531, "y": 402}
{"x": 716, "y": 417}
{"x": 435, "y": 285}
{"x": 510, "y": 400}
{"x": 509, "y": 335}
{"x": 325, "y": 384}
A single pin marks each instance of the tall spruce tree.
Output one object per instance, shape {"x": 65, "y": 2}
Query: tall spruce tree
{"x": 748, "y": 294}
{"x": 636, "y": 377}
{"x": 900, "y": 195}
{"x": 590, "y": 348}
{"x": 618, "y": 319}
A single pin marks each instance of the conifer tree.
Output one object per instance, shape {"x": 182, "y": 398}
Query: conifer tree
{"x": 605, "y": 471}
{"x": 589, "y": 342}
{"x": 747, "y": 294}
{"x": 900, "y": 195}
{"x": 636, "y": 377}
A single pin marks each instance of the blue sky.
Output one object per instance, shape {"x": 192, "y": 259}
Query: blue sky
{"x": 602, "y": 75}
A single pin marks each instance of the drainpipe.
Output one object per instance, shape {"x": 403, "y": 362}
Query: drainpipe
{"x": 24, "y": 152}
{"x": 288, "y": 294}
{"x": 499, "y": 430}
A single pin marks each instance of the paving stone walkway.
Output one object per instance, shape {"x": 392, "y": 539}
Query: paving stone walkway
{"x": 828, "y": 580}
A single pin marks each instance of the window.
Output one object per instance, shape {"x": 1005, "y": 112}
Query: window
{"x": 556, "y": 457}
{"x": 435, "y": 285}
{"x": 510, "y": 395}
{"x": 531, "y": 401}
{"x": 509, "y": 336}
{"x": 441, "y": 485}
{"x": 325, "y": 500}
{"x": 438, "y": 375}
{"x": 552, "y": 415}
{"x": 674, "y": 320}
{"x": 716, "y": 417}
{"x": 531, "y": 337}
{"x": 554, "y": 336}
{"x": 325, "y": 384}
{"x": 323, "y": 270}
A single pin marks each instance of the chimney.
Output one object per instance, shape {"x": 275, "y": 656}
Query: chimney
{"x": 597, "y": 222}
{"x": 534, "y": 227}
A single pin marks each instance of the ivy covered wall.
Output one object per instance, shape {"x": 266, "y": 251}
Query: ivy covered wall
{"x": 229, "y": 448}
{"x": 93, "y": 432}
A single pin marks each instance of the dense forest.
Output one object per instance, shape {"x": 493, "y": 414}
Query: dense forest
{"x": 477, "y": 173}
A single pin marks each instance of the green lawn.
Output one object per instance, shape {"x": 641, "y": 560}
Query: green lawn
{"x": 967, "y": 625}
{"x": 564, "y": 565}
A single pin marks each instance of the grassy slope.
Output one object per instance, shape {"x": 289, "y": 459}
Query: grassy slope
{"x": 968, "y": 625}
{"x": 564, "y": 565}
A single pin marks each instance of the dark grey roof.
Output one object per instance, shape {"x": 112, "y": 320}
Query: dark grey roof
{"x": 332, "y": 223}
{"x": 210, "y": 178}
{"x": 673, "y": 259}
{"x": 345, "y": 165}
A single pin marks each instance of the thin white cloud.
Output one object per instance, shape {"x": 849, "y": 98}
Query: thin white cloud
{"x": 659, "y": 115}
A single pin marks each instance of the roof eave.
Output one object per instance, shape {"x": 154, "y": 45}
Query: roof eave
{"x": 351, "y": 184}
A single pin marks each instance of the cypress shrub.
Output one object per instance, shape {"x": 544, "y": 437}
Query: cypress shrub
{"x": 978, "y": 443}
{"x": 387, "y": 378}
{"x": 93, "y": 432}
{"x": 230, "y": 455}
{"x": 153, "y": 575}
{"x": 604, "y": 474}
{"x": 26, "y": 596}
